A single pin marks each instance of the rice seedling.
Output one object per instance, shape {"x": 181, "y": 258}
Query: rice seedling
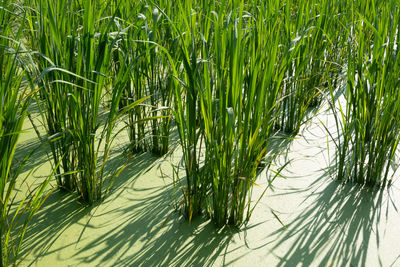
{"x": 156, "y": 76}
{"x": 136, "y": 125}
{"x": 187, "y": 116}
{"x": 150, "y": 77}
{"x": 368, "y": 122}
{"x": 229, "y": 92}
{"x": 186, "y": 102}
{"x": 75, "y": 75}
{"x": 307, "y": 37}
{"x": 55, "y": 108}
{"x": 15, "y": 96}
{"x": 238, "y": 106}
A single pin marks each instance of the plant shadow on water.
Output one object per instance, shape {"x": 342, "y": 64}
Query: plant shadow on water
{"x": 63, "y": 209}
{"x": 150, "y": 235}
{"x": 335, "y": 229}
{"x": 146, "y": 230}
{"x": 135, "y": 225}
{"x": 46, "y": 226}
{"x": 36, "y": 152}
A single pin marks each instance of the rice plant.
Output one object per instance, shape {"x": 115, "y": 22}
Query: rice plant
{"x": 187, "y": 117}
{"x": 368, "y": 122}
{"x": 225, "y": 110}
{"x": 228, "y": 71}
{"x": 15, "y": 96}
{"x": 53, "y": 35}
{"x": 309, "y": 47}
{"x": 150, "y": 77}
{"x": 186, "y": 101}
{"x": 238, "y": 108}
{"x": 75, "y": 75}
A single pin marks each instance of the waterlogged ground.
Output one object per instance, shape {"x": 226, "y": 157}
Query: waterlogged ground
{"x": 328, "y": 224}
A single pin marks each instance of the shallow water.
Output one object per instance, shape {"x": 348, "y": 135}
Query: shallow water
{"x": 328, "y": 224}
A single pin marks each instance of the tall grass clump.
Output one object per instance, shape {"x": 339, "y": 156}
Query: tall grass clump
{"x": 53, "y": 34}
{"x": 224, "y": 103}
{"x": 186, "y": 23}
{"x": 15, "y": 96}
{"x": 187, "y": 107}
{"x": 150, "y": 77}
{"x": 74, "y": 63}
{"x": 369, "y": 121}
{"x": 306, "y": 34}
{"x": 241, "y": 82}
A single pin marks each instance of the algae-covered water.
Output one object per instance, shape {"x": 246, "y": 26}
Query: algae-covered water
{"x": 327, "y": 223}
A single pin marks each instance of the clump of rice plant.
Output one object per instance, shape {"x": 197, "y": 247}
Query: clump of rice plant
{"x": 184, "y": 74}
{"x": 187, "y": 116}
{"x": 224, "y": 105}
{"x": 369, "y": 121}
{"x": 74, "y": 62}
{"x": 53, "y": 34}
{"x": 15, "y": 96}
{"x": 307, "y": 36}
{"x": 241, "y": 80}
{"x": 150, "y": 77}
